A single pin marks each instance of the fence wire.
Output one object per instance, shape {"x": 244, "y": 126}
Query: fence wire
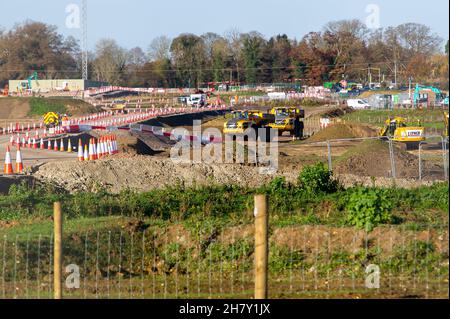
{"x": 181, "y": 261}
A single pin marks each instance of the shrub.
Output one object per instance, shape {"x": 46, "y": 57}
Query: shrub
{"x": 368, "y": 207}
{"x": 317, "y": 178}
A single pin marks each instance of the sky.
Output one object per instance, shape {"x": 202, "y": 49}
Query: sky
{"x": 136, "y": 22}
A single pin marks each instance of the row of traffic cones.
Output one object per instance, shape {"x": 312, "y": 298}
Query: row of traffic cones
{"x": 97, "y": 148}
{"x": 8, "y": 168}
{"x": 34, "y": 144}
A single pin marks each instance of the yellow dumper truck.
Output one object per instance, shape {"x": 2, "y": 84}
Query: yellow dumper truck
{"x": 284, "y": 119}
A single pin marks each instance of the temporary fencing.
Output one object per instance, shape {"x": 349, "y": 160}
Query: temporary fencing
{"x": 204, "y": 260}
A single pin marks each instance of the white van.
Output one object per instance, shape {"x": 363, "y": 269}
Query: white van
{"x": 196, "y": 100}
{"x": 358, "y": 104}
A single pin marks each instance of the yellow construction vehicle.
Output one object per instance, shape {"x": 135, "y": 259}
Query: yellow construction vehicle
{"x": 284, "y": 119}
{"x": 398, "y": 130}
{"x": 242, "y": 120}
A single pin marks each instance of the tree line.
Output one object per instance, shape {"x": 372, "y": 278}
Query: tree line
{"x": 344, "y": 49}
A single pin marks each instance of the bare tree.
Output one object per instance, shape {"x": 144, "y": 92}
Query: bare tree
{"x": 159, "y": 49}
{"x": 110, "y": 61}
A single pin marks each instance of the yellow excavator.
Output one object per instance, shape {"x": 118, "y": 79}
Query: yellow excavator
{"x": 284, "y": 119}
{"x": 398, "y": 130}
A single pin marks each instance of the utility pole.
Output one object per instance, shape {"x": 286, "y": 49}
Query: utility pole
{"x": 395, "y": 73}
{"x": 84, "y": 45}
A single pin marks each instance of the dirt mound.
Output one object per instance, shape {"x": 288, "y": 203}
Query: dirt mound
{"x": 338, "y": 112}
{"x": 13, "y": 108}
{"x": 142, "y": 173}
{"x": 371, "y": 158}
{"x": 339, "y": 131}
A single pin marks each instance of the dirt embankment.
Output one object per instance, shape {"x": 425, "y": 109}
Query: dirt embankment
{"x": 142, "y": 173}
{"x": 14, "y": 108}
{"x": 343, "y": 131}
{"x": 372, "y": 158}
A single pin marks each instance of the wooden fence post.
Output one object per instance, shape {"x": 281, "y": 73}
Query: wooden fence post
{"x": 261, "y": 246}
{"x": 57, "y": 258}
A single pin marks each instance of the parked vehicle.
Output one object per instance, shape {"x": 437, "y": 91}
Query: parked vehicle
{"x": 358, "y": 104}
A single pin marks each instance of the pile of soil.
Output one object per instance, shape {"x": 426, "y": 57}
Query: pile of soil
{"x": 371, "y": 158}
{"x": 338, "y": 112}
{"x": 340, "y": 131}
{"x": 143, "y": 173}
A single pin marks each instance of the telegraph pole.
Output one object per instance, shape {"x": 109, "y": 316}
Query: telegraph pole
{"x": 395, "y": 73}
{"x": 84, "y": 45}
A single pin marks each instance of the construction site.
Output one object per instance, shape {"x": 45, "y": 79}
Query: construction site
{"x": 195, "y": 172}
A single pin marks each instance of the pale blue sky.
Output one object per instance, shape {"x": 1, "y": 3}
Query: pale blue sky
{"x": 136, "y": 22}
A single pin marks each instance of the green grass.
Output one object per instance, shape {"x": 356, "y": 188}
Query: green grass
{"x": 41, "y": 106}
{"x": 428, "y": 118}
{"x": 208, "y": 206}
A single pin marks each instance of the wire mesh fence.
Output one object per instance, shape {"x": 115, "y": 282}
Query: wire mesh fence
{"x": 178, "y": 260}
{"x": 384, "y": 158}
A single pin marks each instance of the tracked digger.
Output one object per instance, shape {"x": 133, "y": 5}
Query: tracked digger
{"x": 398, "y": 130}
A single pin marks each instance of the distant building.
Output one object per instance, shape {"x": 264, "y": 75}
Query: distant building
{"x": 47, "y": 86}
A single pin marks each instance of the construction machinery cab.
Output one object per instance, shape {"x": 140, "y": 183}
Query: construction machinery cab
{"x": 284, "y": 118}
{"x": 243, "y": 120}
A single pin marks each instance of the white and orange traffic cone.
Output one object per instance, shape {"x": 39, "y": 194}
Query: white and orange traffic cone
{"x": 103, "y": 147}
{"x": 98, "y": 148}
{"x": 49, "y": 145}
{"x": 80, "y": 151}
{"x": 92, "y": 151}
{"x": 116, "y": 149}
{"x": 55, "y": 146}
{"x": 19, "y": 163}
{"x": 42, "y": 144}
{"x": 61, "y": 146}
{"x": 8, "y": 169}
{"x": 35, "y": 144}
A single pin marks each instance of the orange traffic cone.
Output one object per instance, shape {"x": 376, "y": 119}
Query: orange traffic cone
{"x": 8, "y": 170}
{"x": 86, "y": 153}
{"x": 19, "y": 164}
{"x": 49, "y": 145}
{"x": 55, "y": 146}
{"x": 69, "y": 146}
{"x": 42, "y": 144}
{"x": 61, "y": 148}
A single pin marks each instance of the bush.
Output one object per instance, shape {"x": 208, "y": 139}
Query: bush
{"x": 368, "y": 207}
{"x": 318, "y": 179}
